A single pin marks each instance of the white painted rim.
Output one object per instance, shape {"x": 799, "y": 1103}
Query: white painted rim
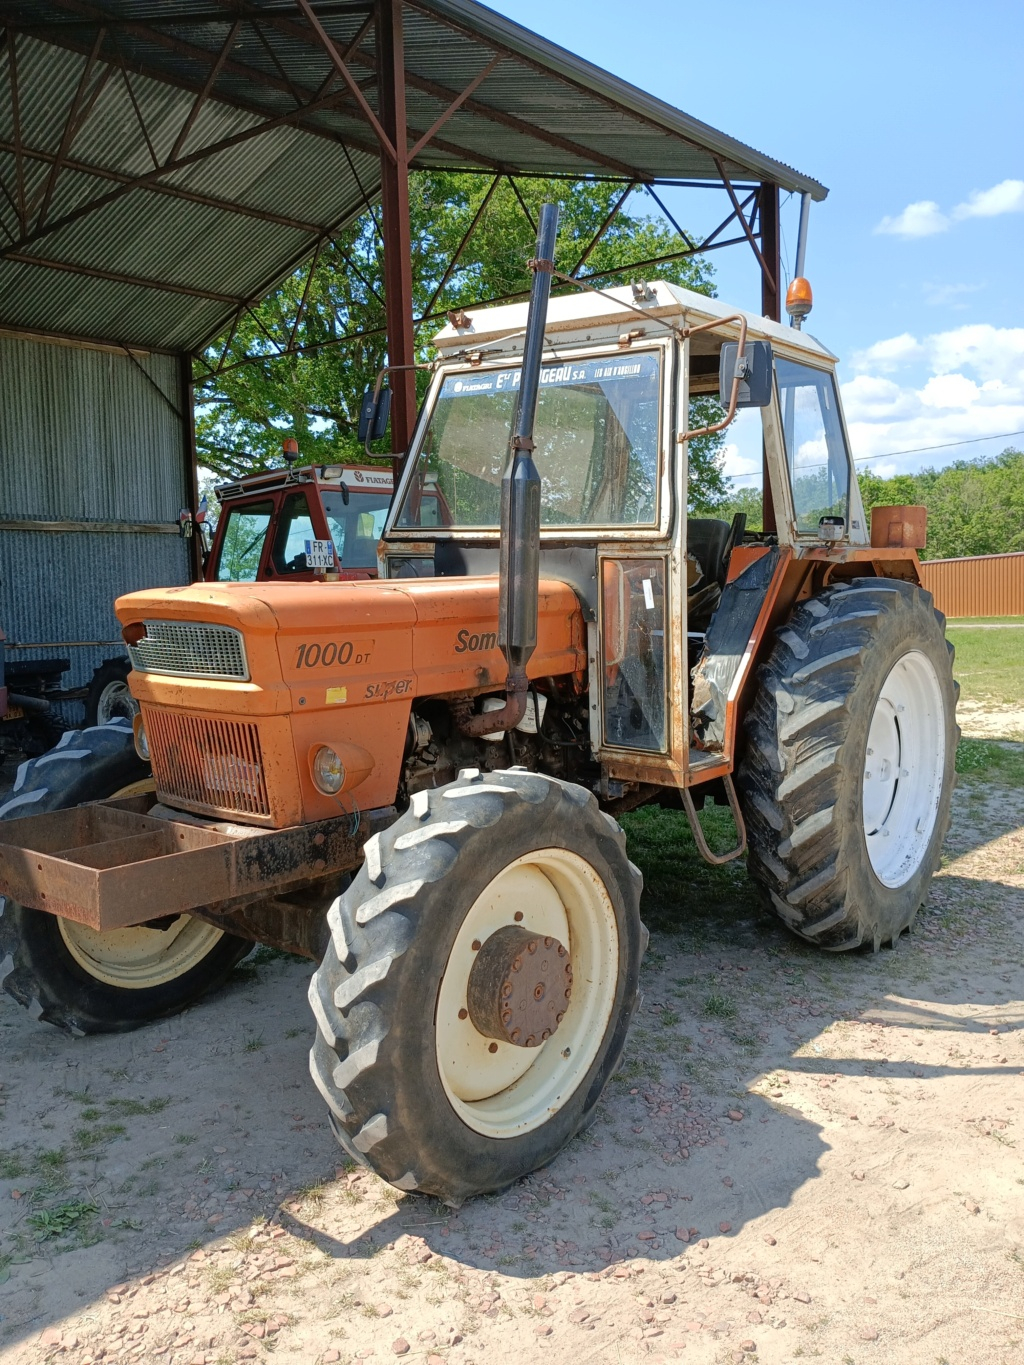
{"x": 514, "y": 1090}
{"x": 116, "y": 701}
{"x": 903, "y": 769}
{"x": 140, "y": 958}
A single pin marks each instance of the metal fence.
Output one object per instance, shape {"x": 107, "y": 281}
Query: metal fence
{"x": 983, "y": 585}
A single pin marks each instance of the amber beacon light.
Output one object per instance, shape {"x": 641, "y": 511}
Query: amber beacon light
{"x": 799, "y": 300}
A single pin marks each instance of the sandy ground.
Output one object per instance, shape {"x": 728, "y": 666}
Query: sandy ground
{"x": 991, "y": 720}
{"x": 802, "y": 1156}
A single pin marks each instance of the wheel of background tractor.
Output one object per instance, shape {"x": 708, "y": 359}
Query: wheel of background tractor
{"x": 847, "y": 777}
{"x": 73, "y": 976}
{"x": 109, "y": 697}
{"x": 447, "y": 1049}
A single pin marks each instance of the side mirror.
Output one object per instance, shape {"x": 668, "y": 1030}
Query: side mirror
{"x": 755, "y": 371}
{"x": 373, "y": 415}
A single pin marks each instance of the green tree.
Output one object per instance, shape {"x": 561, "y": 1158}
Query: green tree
{"x": 243, "y": 414}
{"x": 975, "y": 507}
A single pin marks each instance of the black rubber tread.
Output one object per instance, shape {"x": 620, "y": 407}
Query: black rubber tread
{"x": 801, "y": 774}
{"x": 36, "y": 968}
{"x": 374, "y": 994}
{"x": 110, "y": 671}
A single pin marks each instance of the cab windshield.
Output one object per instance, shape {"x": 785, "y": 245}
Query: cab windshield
{"x": 596, "y": 434}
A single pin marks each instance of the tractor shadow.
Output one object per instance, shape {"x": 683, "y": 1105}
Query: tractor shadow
{"x": 202, "y": 1136}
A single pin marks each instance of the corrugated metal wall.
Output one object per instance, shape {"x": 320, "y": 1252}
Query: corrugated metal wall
{"x": 85, "y": 437}
{"x": 986, "y": 585}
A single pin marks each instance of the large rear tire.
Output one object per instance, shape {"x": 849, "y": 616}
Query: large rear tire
{"x": 416, "y": 1089}
{"x": 848, "y": 772}
{"x": 74, "y": 977}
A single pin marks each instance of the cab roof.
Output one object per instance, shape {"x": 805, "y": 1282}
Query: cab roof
{"x": 585, "y": 316}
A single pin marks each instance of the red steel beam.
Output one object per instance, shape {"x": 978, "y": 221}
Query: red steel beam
{"x": 398, "y": 297}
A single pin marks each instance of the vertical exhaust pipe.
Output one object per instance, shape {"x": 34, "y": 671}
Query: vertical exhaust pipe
{"x": 520, "y": 504}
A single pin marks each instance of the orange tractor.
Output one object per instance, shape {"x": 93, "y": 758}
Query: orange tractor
{"x": 414, "y": 780}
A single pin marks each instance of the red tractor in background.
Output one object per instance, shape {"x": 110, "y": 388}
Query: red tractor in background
{"x": 290, "y": 525}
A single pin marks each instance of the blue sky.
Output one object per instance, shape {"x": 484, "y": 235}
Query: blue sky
{"x": 912, "y": 114}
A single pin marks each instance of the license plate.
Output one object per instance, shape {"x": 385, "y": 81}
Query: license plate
{"x": 319, "y": 554}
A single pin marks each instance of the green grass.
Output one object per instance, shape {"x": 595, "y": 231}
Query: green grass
{"x": 682, "y": 892}
{"x": 989, "y": 664}
{"x": 985, "y": 621}
{"x": 134, "y": 1108}
{"x": 995, "y": 760}
{"x": 62, "y": 1219}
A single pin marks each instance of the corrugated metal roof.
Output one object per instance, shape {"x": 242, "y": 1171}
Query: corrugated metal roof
{"x": 138, "y": 226}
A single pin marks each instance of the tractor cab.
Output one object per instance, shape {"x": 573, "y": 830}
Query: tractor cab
{"x": 671, "y": 601}
{"x": 297, "y": 525}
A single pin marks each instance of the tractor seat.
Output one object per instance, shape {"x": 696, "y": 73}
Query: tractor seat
{"x": 707, "y": 539}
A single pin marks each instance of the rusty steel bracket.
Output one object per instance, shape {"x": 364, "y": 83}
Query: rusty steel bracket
{"x": 717, "y": 859}
{"x": 111, "y": 864}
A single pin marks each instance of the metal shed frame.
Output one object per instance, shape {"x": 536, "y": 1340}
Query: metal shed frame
{"x": 173, "y": 160}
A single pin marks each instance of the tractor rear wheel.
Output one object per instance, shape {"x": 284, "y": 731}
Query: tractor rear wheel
{"x": 109, "y": 696}
{"x": 481, "y": 976}
{"x": 75, "y": 977}
{"x": 848, "y": 772}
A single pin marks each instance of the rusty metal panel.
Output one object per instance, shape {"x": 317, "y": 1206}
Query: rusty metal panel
{"x": 983, "y": 585}
{"x": 110, "y": 864}
{"x": 86, "y": 436}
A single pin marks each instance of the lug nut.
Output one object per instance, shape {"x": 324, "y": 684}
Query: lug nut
{"x": 538, "y": 991}
{"x": 548, "y": 941}
{"x": 559, "y": 1016}
{"x": 517, "y": 966}
{"x": 516, "y": 1034}
{"x": 506, "y": 1016}
{"x": 531, "y": 947}
{"x": 545, "y": 1035}
{"x": 561, "y": 950}
{"x": 506, "y": 989}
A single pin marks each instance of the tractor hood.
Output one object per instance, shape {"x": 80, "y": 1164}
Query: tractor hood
{"x": 260, "y": 674}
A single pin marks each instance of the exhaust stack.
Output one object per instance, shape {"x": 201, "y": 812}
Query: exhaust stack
{"x": 520, "y": 504}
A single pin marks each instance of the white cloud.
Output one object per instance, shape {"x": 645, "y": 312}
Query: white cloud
{"x": 1006, "y": 197}
{"x": 923, "y": 219}
{"x": 940, "y": 295}
{"x": 887, "y": 355}
{"x": 949, "y": 391}
{"x": 951, "y": 386}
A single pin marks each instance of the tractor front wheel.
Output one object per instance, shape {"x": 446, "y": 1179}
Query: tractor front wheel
{"x": 75, "y": 977}
{"x": 848, "y": 772}
{"x": 481, "y": 975}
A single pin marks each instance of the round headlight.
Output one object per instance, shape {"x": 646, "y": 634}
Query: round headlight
{"x": 328, "y": 771}
{"x": 141, "y": 742}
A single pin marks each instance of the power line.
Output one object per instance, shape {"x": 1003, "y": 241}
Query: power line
{"x": 893, "y": 454}
{"x": 946, "y": 445}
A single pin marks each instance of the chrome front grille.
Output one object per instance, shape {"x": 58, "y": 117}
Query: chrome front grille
{"x": 190, "y": 649}
{"x": 210, "y": 764}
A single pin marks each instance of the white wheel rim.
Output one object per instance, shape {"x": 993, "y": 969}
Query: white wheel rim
{"x": 903, "y": 769}
{"x": 116, "y": 700}
{"x": 513, "y": 1090}
{"x": 141, "y": 957}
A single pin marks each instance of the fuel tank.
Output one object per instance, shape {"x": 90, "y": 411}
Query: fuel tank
{"x": 240, "y": 683}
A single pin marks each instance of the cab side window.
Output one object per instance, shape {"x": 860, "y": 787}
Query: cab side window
{"x": 294, "y": 528}
{"x": 241, "y": 547}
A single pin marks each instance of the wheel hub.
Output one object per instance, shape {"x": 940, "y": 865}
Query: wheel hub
{"x": 519, "y": 987}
